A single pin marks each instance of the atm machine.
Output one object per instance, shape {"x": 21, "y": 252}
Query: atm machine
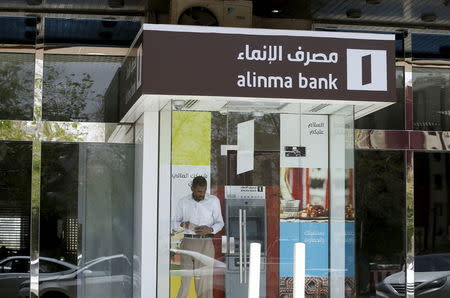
{"x": 245, "y": 223}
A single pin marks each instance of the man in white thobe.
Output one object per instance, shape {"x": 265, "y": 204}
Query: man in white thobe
{"x": 200, "y": 215}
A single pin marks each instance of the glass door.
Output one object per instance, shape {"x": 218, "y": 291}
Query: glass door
{"x": 249, "y": 179}
{"x": 252, "y": 175}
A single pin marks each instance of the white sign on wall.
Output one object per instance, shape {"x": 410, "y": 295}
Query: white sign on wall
{"x": 304, "y": 141}
{"x": 245, "y": 192}
{"x": 246, "y": 146}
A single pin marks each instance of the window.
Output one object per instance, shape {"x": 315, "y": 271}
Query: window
{"x": 50, "y": 267}
{"x": 16, "y": 266}
{"x": 431, "y": 92}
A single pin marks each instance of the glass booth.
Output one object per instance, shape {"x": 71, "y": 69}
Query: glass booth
{"x": 282, "y": 172}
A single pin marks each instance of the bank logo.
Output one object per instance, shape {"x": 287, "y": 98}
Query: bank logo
{"x": 366, "y": 70}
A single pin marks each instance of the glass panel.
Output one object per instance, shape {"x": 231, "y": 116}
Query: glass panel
{"x": 73, "y": 32}
{"x": 15, "y": 203}
{"x": 256, "y": 174}
{"x": 18, "y": 30}
{"x": 342, "y": 210}
{"x": 81, "y": 67}
{"x": 81, "y": 88}
{"x": 431, "y": 91}
{"x": 391, "y": 117}
{"x": 380, "y": 223}
{"x": 194, "y": 260}
{"x": 17, "y": 39}
{"x": 432, "y": 223}
{"x": 86, "y": 220}
{"x": 430, "y": 46}
{"x": 16, "y": 86}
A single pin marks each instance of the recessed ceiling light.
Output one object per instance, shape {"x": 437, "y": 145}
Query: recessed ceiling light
{"x": 276, "y": 11}
{"x": 428, "y": 17}
{"x": 178, "y": 104}
{"x": 258, "y": 113}
{"x": 354, "y": 13}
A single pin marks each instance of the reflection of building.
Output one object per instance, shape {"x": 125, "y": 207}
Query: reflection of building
{"x": 71, "y": 236}
{"x": 430, "y": 98}
{"x": 71, "y": 178}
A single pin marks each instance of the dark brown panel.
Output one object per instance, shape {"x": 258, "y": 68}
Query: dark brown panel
{"x": 186, "y": 63}
{"x": 273, "y": 241}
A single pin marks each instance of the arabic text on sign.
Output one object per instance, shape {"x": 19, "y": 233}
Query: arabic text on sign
{"x": 275, "y": 53}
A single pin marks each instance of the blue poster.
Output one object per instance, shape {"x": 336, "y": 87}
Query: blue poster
{"x": 316, "y": 238}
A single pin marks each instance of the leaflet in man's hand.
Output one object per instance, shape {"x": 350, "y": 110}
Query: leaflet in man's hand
{"x": 191, "y": 228}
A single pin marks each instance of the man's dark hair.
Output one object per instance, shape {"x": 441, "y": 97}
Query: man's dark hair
{"x": 199, "y": 181}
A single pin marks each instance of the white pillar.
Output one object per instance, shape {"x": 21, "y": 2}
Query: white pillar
{"x": 146, "y": 198}
{"x": 299, "y": 269}
{"x": 341, "y": 159}
{"x": 255, "y": 270}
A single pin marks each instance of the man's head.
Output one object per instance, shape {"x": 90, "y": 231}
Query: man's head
{"x": 198, "y": 188}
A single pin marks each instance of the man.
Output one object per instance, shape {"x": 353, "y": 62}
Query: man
{"x": 199, "y": 214}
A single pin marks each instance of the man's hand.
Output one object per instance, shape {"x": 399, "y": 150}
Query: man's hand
{"x": 203, "y": 230}
{"x": 185, "y": 224}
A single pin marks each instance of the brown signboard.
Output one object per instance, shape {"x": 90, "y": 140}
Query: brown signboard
{"x": 180, "y": 60}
